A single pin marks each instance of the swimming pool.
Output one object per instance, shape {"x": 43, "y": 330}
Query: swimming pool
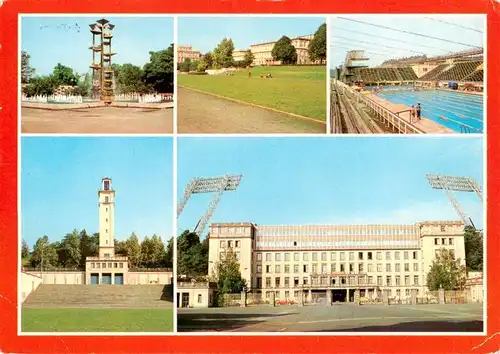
{"x": 458, "y": 109}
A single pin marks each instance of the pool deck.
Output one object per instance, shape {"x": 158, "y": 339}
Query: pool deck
{"x": 425, "y": 124}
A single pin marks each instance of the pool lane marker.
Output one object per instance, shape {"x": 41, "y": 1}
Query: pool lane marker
{"x": 254, "y": 105}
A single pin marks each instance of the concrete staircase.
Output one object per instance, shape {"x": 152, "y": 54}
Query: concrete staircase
{"x": 101, "y": 296}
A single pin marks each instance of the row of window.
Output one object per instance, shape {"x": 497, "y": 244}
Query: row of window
{"x": 296, "y": 293}
{"x": 230, "y": 244}
{"x": 351, "y": 231}
{"x": 336, "y": 281}
{"x": 443, "y": 241}
{"x": 351, "y": 267}
{"x": 380, "y": 243}
{"x": 341, "y": 256}
{"x": 106, "y": 265}
{"x": 238, "y": 255}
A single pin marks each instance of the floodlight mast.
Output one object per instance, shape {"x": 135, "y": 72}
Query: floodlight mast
{"x": 216, "y": 185}
{"x": 457, "y": 184}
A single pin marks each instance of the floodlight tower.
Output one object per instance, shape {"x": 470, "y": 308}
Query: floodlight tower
{"x": 457, "y": 184}
{"x": 102, "y": 71}
{"x": 215, "y": 185}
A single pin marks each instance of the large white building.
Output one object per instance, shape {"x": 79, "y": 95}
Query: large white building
{"x": 346, "y": 260}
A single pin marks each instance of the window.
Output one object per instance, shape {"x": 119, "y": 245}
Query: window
{"x": 342, "y": 256}
{"x": 230, "y": 244}
{"x": 398, "y": 267}
{"x": 314, "y": 268}
{"x": 398, "y": 280}
{"x": 110, "y": 265}
{"x": 296, "y": 257}
{"x": 304, "y": 268}
{"x": 450, "y": 241}
{"x": 259, "y": 282}
{"x": 268, "y": 269}
{"x": 379, "y": 267}
{"x": 415, "y": 255}
{"x": 106, "y": 209}
{"x": 388, "y": 267}
{"x": 259, "y": 268}
{"x": 287, "y": 281}
{"x": 295, "y": 268}
{"x": 277, "y": 257}
{"x": 443, "y": 241}
{"x": 277, "y": 268}
{"x": 379, "y": 256}
{"x": 115, "y": 265}
{"x": 323, "y": 268}
{"x": 333, "y": 267}
{"x": 223, "y": 244}
{"x": 106, "y": 219}
{"x": 259, "y": 257}
{"x": 387, "y": 256}
{"x": 92, "y": 265}
{"x": 360, "y": 267}
{"x": 370, "y": 268}
{"x": 305, "y": 256}
{"x": 305, "y": 280}
{"x": 237, "y": 244}
{"x": 388, "y": 280}
{"x": 370, "y": 256}
{"x": 268, "y": 282}
{"x": 277, "y": 282}
{"x": 360, "y": 256}
{"x": 407, "y": 280}
{"x": 415, "y": 280}
{"x": 98, "y": 265}
{"x": 106, "y": 232}
{"x": 415, "y": 267}
{"x": 351, "y": 256}
{"x": 436, "y": 241}
{"x": 443, "y": 228}
{"x": 379, "y": 280}
{"x": 106, "y": 255}
{"x": 370, "y": 280}
{"x": 314, "y": 256}
{"x": 199, "y": 298}
{"x": 269, "y": 257}
{"x": 342, "y": 267}
{"x": 323, "y": 256}
{"x": 106, "y": 199}
{"x": 396, "y": 255}
{"x": 333, "y": 256}
{"x": 351, "y": 267}
{"x": 287, "y": 257}
{"x": 407, "y": 292}
{"x": 287, "y": 268}
{"x": 407, "y": 267}
{"x": 405, "y": 255}
{"x": 296, "y": 281}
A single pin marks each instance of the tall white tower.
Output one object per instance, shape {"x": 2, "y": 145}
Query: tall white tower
{"x": 106, "y": 219}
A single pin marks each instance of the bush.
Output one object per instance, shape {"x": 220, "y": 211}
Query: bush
{"x": 198, "y": 73}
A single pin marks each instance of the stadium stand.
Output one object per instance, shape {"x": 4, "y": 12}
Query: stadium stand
{"x": 459, "y": 71}
{"x": 370, "y": 75}
{"x": 476, "y": 76}
{"x": 431, "y": 75}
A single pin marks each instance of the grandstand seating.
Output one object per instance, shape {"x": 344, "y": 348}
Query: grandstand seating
{"x": 476, "y": 76}
{"x": 459, "y": 71}
{"x": 431, "y": 75}
{"x": 48, "y": 295}
{"x": 384, "y": 74}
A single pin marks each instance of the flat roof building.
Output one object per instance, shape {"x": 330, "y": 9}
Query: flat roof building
{"x": 187, "y": 52}
{"x": 262, "y": 52}
{"x": 338, "y": 260}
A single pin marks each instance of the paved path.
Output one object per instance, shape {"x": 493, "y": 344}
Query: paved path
{"x": 340, "y": 317}
{"x": 97, "y": 120}
{"x": 203, "y": 113}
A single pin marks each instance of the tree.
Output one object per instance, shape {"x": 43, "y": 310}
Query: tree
{"x": 192, "y": 255}
{"x": 208, "y": 60}
{"x": 446, "y": 272}
{"x": 185, "y": 66}
{"x": 64, "y": 75}
{"x": 130, "y": 79}
{"x": 228, "y": 275}
{"x": 159, "y": 71}
{"x": 89, "y": 246}
{"x": 133, "y": 250}
{"x": 25, "y": 249}
{"x": 44, "y": 250}
{"x": 26, "y": 70}
{"x": 152, "y": 250}
{"x": 69, "y": 252}
{"x": 222, "y": 55}
{"x": 248, "y": 59}
{"x": 43, "y": 85}
{"x": 473, "y": 249}
{"x": 317, "y": 46}
{"x": 168, "y": 260}
{"x": 284, "y": 51}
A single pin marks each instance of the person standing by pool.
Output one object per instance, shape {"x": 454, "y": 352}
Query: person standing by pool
{"x": 412, "y": 112}
{"x": 419, "y": 111}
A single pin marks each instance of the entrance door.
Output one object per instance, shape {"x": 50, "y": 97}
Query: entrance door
{"x": 94, "y": 278}
{"x": 185, "y": 299}
{"x": 119, "y": 278}
{"x": 106, "y": 278}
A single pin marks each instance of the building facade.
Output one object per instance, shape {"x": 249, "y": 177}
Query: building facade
{"x": 239, "y": 55}
{"x": 294, "y": 261}
{"x": 262, "y": 52}
{"x": 187, "y": 52}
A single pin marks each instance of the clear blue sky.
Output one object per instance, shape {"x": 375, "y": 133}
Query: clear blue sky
{"x": 60, "y": 178}
{"x": 205, "y": 33}
{"x": 52, "y": 40}
{"x": 431, "y": 25}
{"x": 330, "y": 180}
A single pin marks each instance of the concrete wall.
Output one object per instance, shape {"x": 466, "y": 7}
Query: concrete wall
{"x": 149, "y": 278}
{"x": 198, "y": 297}
{"x": 60, "y": 277}
{"x": 29, "y": 283}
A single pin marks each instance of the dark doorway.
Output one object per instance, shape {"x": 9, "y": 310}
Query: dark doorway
{"x": 339, "y": 295}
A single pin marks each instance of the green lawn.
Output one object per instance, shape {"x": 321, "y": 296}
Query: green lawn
{"x": 96, "y": 320}
{"x": 295, "y": 89}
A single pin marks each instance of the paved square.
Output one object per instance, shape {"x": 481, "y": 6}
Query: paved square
{"x": 339, "y": 317}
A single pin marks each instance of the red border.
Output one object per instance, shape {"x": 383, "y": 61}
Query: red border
{"x": 10, "y": 342}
